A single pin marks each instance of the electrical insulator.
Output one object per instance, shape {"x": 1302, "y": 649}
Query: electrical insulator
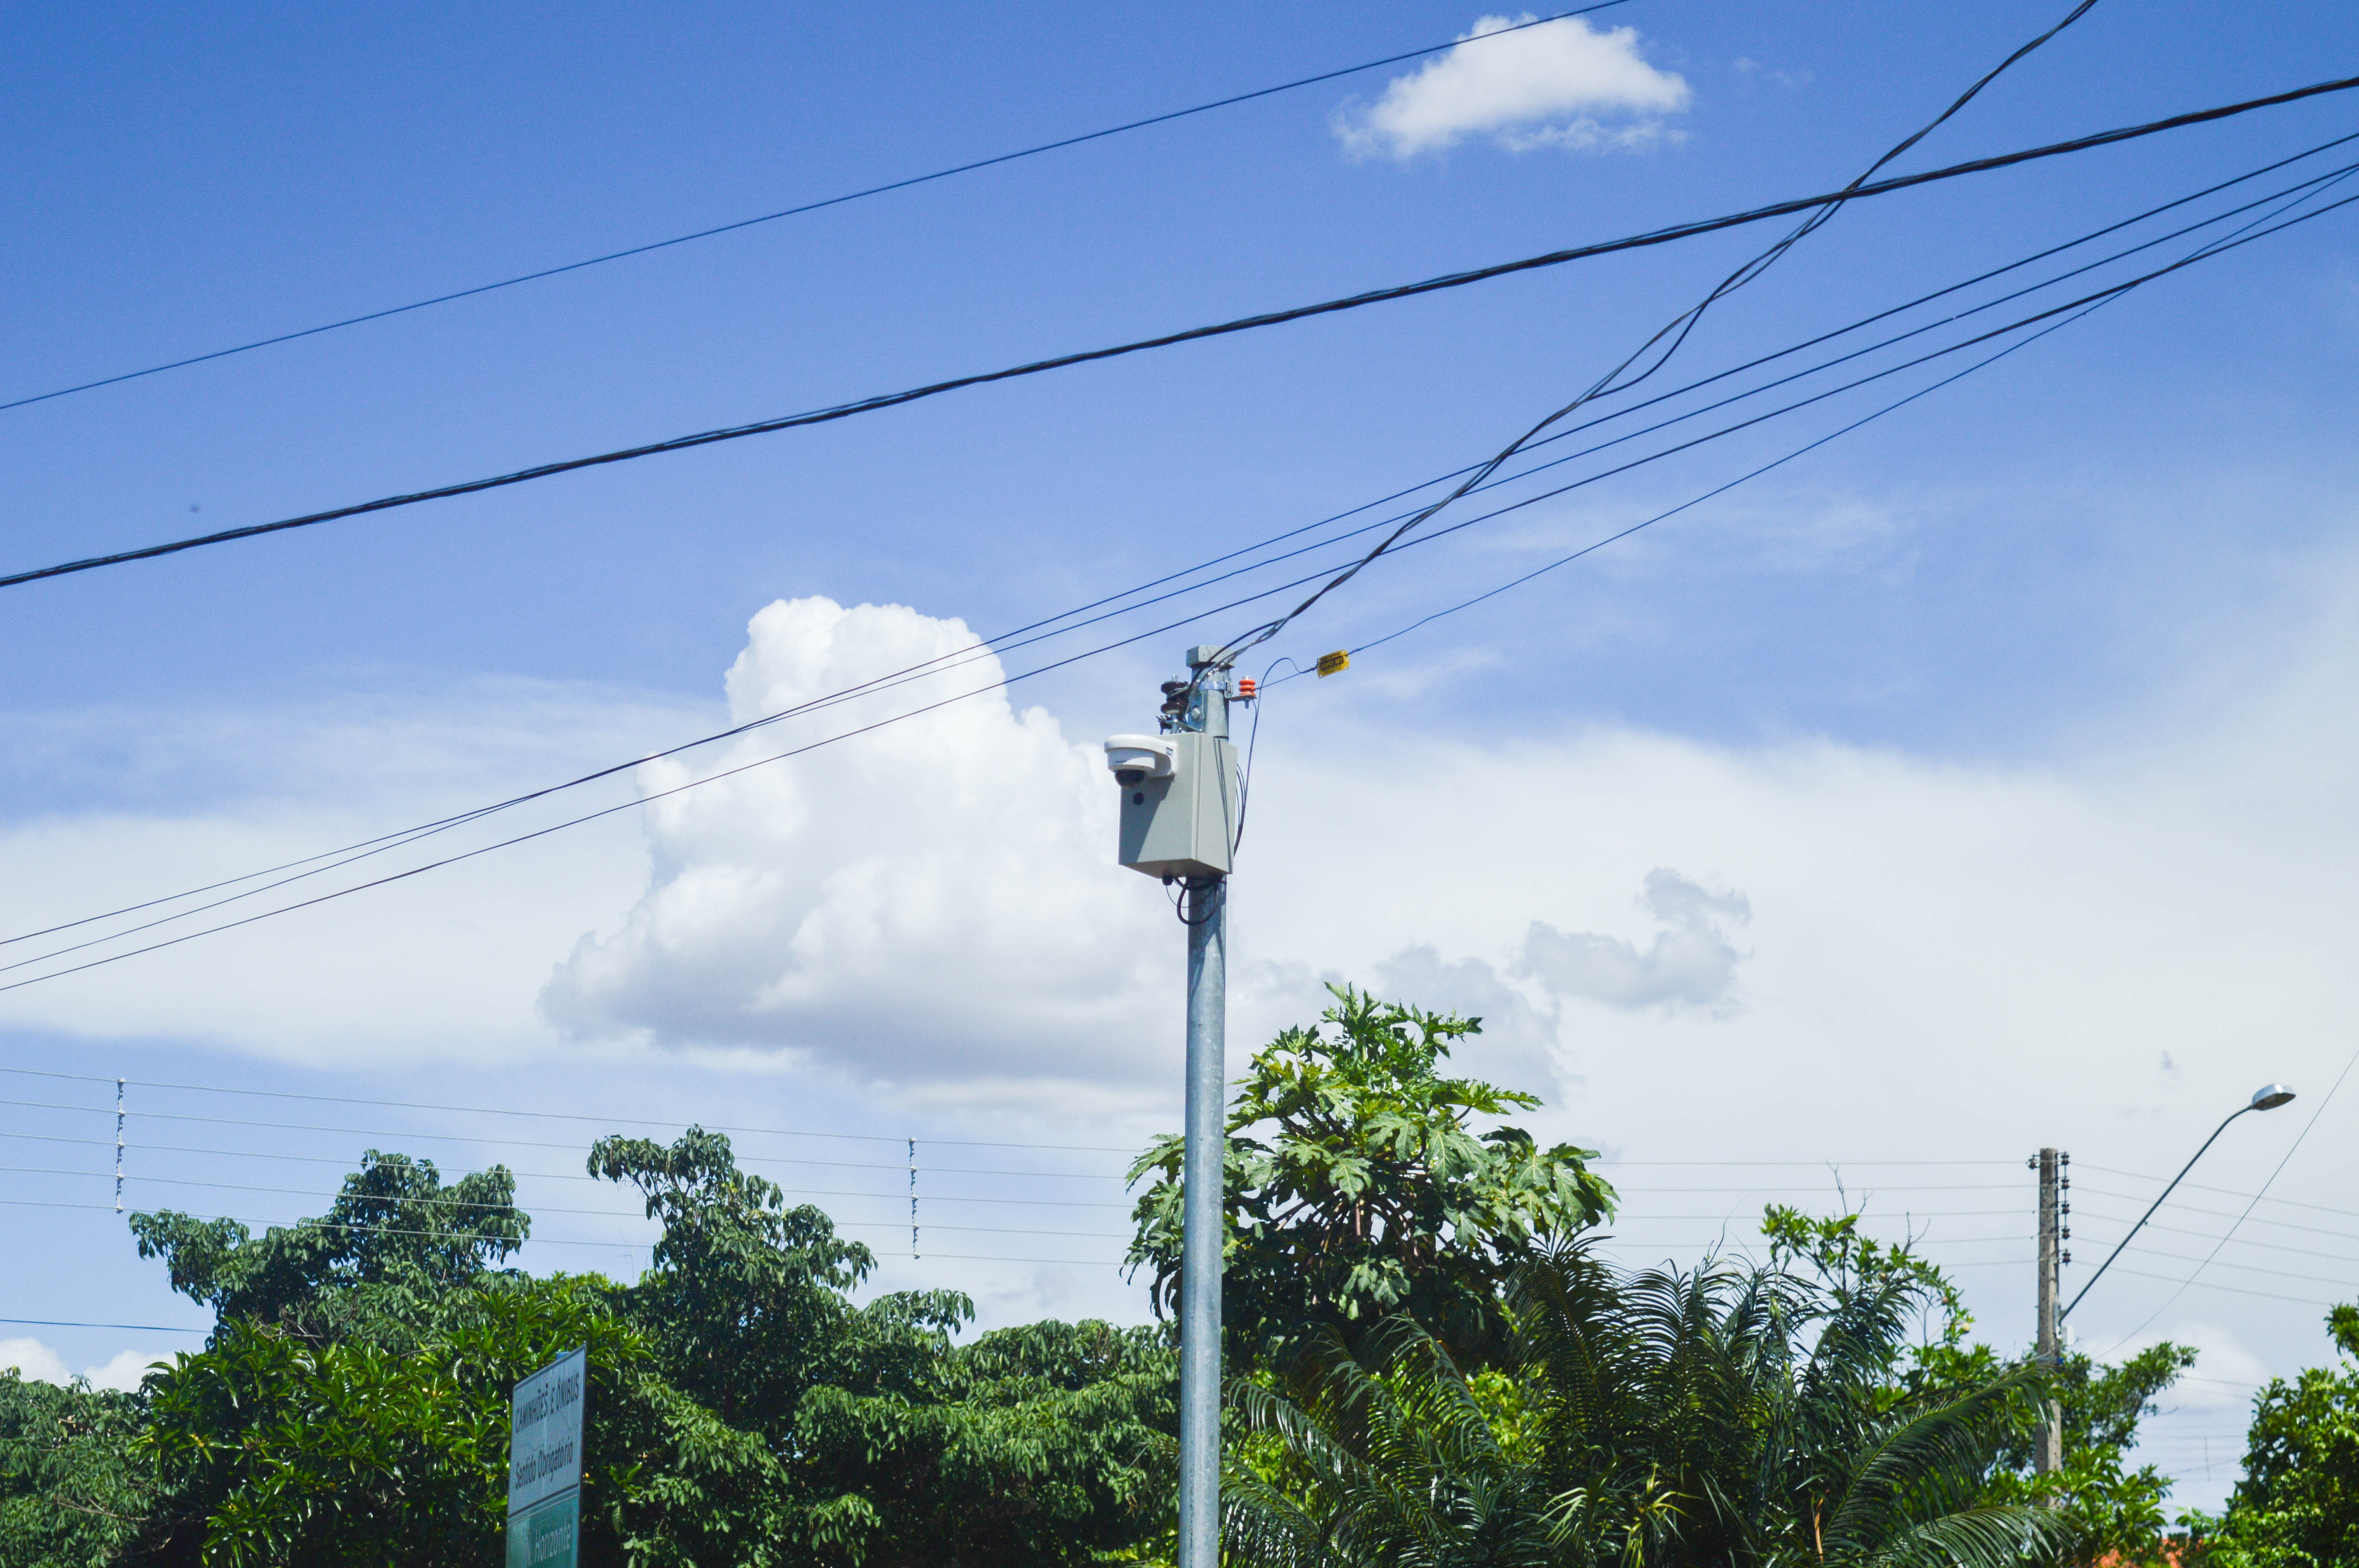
{"x": 1247, "y": 690}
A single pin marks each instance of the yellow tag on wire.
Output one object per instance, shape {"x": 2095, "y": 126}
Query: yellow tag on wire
{"x": 1334, "y": 663}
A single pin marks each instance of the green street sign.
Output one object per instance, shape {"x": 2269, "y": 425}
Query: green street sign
{"x": 548, "y": 1536}
{"x": 544, "y": 1465}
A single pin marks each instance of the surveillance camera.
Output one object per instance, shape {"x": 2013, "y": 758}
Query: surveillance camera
{"x": 1133, "y": 759}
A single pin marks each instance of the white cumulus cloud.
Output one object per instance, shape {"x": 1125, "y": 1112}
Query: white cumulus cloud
{"x": 1559, "y": 83}
{"x": 936, "y": 900}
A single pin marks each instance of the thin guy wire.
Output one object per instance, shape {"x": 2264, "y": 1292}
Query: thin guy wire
{"x": 2193, "y": 1278}
{"x": 1677, "y": 330}
{"x": 571, "y": 1116}
{"x": 2089, "y": 301}
{"x": 1000, "y": 643}
{"x": 1195, "y": 334}
{"x": 807, "y": 207}
{"x": 2083, "y": 307}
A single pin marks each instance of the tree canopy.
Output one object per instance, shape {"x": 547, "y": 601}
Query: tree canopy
{"x": 351, "y": 1408}
{"x": 1434, "y": 1367}
{"x": 2297, "y": 1506}
{"x": 1357, "y": 1187}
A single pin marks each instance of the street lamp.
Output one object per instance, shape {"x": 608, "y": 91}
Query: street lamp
{"x": 2268, "y": 1096}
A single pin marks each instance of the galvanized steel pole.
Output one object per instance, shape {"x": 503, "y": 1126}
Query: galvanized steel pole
{"x": 1204, "y": 1220}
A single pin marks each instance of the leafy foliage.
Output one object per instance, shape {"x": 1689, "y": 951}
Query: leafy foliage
{"x": 2109, "y": 1511}
{"x": 1042, "y": 1445}
{"x": 2297, "y": 1506}
{"x": 742, "y": 1407}
{"x": 2116, "y": 1513}
{"x": 1721, "y": 1417}
{"x": 394, "y": 1228}
{"x": 279, "y": 1449}
{"x": 73, "y": 1490}
{"x": 1368, "y": 1194}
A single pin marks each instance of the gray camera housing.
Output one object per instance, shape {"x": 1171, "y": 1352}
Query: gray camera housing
{"x": 1183, "y": 825}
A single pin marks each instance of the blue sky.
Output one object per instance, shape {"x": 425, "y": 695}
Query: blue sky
{"x": 2082, "y": 613}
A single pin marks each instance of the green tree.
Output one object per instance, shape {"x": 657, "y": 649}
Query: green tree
{"x": 2115, "y": 1512}
{"x": 2297, "y": 1506}
{"x": 2111, "y": 1511}
{"x": 1048, "y": 1444}
{"x": 1719, "y": 1419}
{"x": 74, "y": 1490}
{"x": 1357, "y": 1188}
{"x": 743, "y": 1409}
{"x": 395, "y": 1231}
{"x": 282, "y": 1449}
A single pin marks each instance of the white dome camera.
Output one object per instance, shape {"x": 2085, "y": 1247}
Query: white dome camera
{"x": 1135, "y": 758}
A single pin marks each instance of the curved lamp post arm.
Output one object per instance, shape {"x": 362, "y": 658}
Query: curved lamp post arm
{"x": 2149, "y": 1212}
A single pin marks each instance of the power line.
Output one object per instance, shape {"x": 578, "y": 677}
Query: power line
{"x": 561, "y": 1115}
{"x": 1249, "y": 323}
{"x": 1675, "y": 329}
{"x": 1004, "y": 643}
{"x": 140, "y": 1327}
{"x": 810, "y": 206}
{"x": 521, "y": 1211}
{"x": 2342, "y": 1257}
{"x": 2245, "y": 1268}
{"x": 529, "y": 1143}
{"x": 2257, "y": 1197}
{"x": 2223, "y": 1192}
{"x": 2280, "y": 1170}
{"x": 510, "y": 1244}
{"x": 2207, "y": 1285}
{"x": 2083, "y": 305}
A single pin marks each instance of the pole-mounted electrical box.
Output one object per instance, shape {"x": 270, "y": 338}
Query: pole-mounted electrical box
{"x": 1180, "y": 787}
{"x": 1178, "y": 802}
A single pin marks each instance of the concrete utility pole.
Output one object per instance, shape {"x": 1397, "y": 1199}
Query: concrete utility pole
{"x": 2054, "y": 1208}
{"x": 1178, "y": 822}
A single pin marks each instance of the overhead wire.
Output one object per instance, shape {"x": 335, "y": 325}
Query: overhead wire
{"x": 1677, "y": 331}
{"x": 2280, "y": 1170}
{"x": 2072, "y": 311}
{"x": 542, "y": 1241}
{"x": 1857, "y": 191}
{"x": 1022, "y": 636}
{"x": 557, "y": 1115}
{"x": 2088, "y": 301}
{"x": 2081, "y": 306}
{"x": 731, "y": 228}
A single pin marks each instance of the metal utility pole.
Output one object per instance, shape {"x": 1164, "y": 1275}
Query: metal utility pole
{"x": 2048, "y": 1456}
{"x": 1204, "y": 1220}
{"x": 1178, "y": 822}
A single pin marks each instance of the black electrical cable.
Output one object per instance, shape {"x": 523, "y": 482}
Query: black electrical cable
{"x": 1003, "y": 642}
{"x": 1675, "y": 329}
{"x": 943, "y": 663}
{"x": 1248, "y": 323}
{"x": 135, "y": 1327}
{"x": 813, "y": 206}
{"x": 2083, "y": 305}
{"x": 600, "y": 1118}
{"x": 412, "y": 835}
